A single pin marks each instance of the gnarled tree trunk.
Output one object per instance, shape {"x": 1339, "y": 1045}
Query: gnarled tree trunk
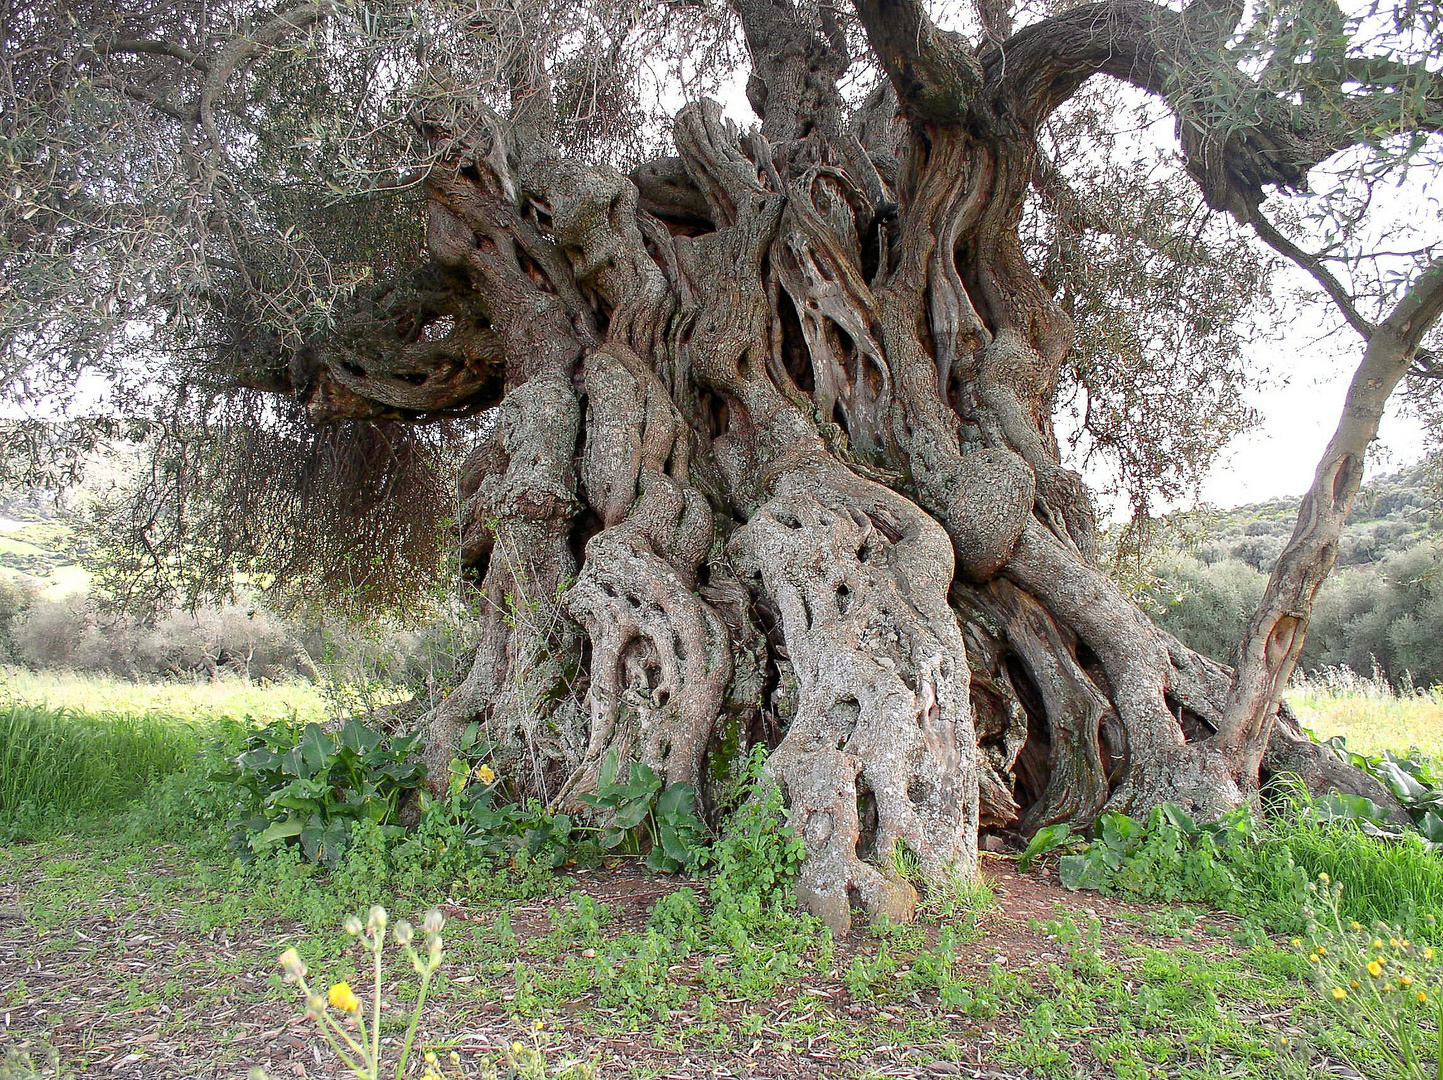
{"x": 773, "y": 458}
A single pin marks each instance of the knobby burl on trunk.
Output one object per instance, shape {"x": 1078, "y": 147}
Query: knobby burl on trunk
{"x": 772, "y": 457}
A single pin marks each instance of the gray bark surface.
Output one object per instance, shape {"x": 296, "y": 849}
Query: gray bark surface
{"x": 773, "y": 460}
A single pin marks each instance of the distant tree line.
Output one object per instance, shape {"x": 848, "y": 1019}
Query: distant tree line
{"x": 1201, "y": 575}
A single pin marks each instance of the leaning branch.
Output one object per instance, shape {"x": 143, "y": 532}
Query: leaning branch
{"x": 1314, "y": 266}
{"x": 241, "y": 50}
{"x": 1275, "y": 635}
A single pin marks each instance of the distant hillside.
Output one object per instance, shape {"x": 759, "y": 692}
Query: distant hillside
{"x": 1202, "y": 574}
{"x": 39, "y": 550}
{"x": 1391, "y": 514}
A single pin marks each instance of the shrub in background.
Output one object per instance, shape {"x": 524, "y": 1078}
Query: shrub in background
{"x": 14, "y": 600}
{"x": 238, "y": 639}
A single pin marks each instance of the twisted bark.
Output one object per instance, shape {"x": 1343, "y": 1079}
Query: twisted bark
{"x": 775, "y": 458}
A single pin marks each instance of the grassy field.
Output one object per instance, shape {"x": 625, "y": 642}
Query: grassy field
{"x": 62, "y": 578}
{"x": 1370, "y": 714}
{"x": 198, "y": 701}
{"x": 134, "y": 945}
{"x": 91, "y": 762}
{"x": 1367, "y": 711}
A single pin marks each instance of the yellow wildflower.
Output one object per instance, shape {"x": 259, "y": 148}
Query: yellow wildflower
{"x": 516, "y": 1048}
{"x": 1339, "y": 993}
{"x": 341, "y": 997}
{"x": 1322, "y": 950}
{"x": 1377, "y": 944}
{"x": 1422, "y": 997}
{"x": 1375, "y": 969}
{"x": 1355, "y": 925}
{"x": 1405, "y": 982}
{"x": 1324, "y": 878}
{"x": 1427, "y": 954}
{"x": 1353, "y": 983}
{"x": 485, "y": 774}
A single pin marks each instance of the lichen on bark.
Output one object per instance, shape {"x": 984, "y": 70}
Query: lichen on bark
{"x": 771, "y": 456}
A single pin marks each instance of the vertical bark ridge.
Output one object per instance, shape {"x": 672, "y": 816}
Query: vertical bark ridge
{"x": 881, "y": 750}
{"x": 521, "y": 495}
{"x": 661, "y": 658}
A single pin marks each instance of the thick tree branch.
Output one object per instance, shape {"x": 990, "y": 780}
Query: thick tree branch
{"x": 149, "y": 47}
{"x": 1274, "y": 638}
{"x": 934, "y": 72}
{"x": 1043, "y": 64}
{"x": 794, "y": 68}
{"x": 1175, "y": 55}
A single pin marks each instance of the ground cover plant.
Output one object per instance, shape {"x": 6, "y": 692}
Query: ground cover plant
{"x": 300, "y": 783}
{"x": 138, "y": 947}
{"x": 1382, "y": 983}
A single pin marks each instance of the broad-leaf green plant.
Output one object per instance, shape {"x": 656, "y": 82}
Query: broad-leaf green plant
{"x": 640, "y": 815}
{"x": 307, "y": 786}
{"x": 1412, "y": 781}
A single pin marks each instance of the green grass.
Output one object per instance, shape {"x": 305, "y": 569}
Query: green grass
{"x": 684, "y": 979}
{"x": 1398, "y": 881}
{"x": 691, "y": 976}
{"x": 1369, "y": 713}
{"x": 202, "y": 701}
{"x": 58, "y": 765}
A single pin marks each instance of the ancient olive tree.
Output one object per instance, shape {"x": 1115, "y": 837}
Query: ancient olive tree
{"x": 765, "y": 412}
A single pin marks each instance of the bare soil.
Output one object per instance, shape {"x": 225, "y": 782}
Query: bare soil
{"x": 131, "y": 990}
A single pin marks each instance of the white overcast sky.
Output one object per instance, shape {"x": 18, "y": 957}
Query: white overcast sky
{"x": 1299, "y": 416}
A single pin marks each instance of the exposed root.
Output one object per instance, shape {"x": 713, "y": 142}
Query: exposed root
{"x": 1292, "y": 754}
{"x": 883, "y": 726}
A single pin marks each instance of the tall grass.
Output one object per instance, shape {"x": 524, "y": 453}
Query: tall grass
{"x": 58, "y": 765}
{"x": 1369, "y": 711}
{"x": 1395, "y": 880}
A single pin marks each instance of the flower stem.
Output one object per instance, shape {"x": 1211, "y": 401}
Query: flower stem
{"x": 415, "y": 1015}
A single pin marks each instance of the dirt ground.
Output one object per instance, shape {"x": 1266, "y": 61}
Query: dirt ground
{"x": 131, "y": 990}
